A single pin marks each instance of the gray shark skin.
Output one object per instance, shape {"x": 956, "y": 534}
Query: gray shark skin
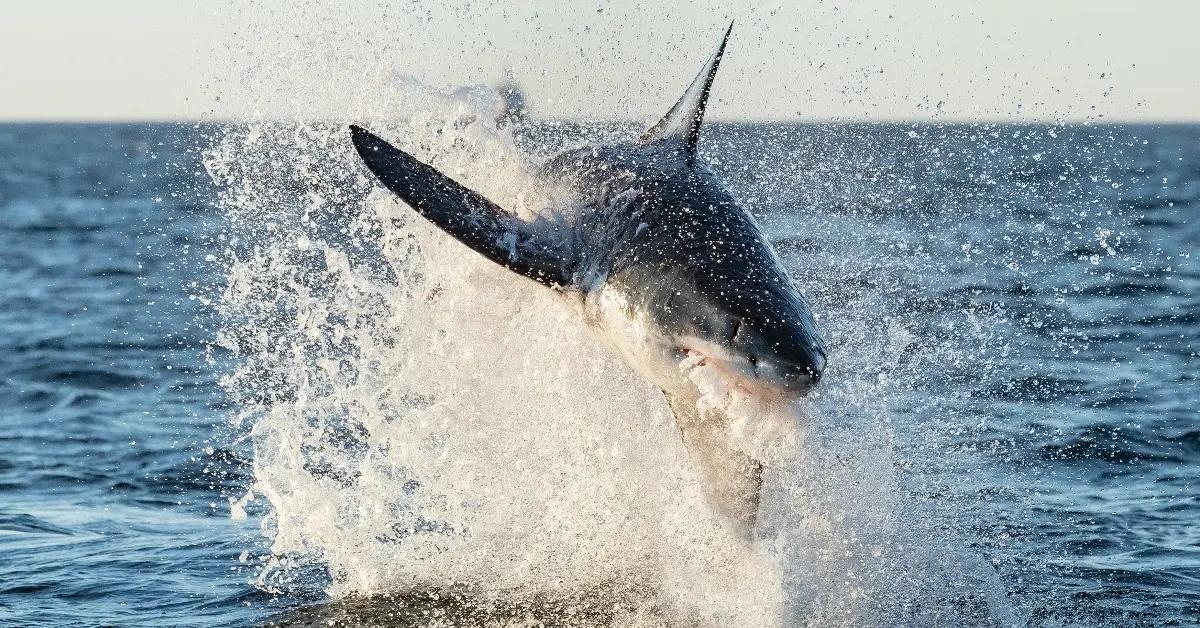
{"x": 665, "y": 266}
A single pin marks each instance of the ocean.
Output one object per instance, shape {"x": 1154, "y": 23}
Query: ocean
{"x": 240, "y": 386}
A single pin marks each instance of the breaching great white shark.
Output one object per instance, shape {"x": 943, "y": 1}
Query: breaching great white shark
{"x": 667, "y": 267}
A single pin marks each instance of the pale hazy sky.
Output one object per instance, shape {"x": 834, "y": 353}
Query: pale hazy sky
{"x": 807, "y": 59}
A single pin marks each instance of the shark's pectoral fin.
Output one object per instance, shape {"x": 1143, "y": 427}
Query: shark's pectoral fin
{"x": 465, "y": 214}
{"x": 732, "y": 480}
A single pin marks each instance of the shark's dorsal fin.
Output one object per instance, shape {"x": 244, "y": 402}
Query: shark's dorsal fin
{"x": 682, "y": 122}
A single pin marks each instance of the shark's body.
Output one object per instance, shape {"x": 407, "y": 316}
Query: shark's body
{"x": 669, "y": 270}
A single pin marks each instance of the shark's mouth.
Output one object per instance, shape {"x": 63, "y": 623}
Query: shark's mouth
{"x": 755, "y": 415}
{"x": 733, "y": 380}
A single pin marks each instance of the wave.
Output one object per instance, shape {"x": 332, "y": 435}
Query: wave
{"x": 23, "y": 523}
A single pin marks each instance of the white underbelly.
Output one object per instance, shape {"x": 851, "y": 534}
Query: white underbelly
{"x": 633, "y": 336}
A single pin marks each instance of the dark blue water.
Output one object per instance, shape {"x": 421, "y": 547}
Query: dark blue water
{"x": 1045, "y": 279}
{"x": 107, "y": 510}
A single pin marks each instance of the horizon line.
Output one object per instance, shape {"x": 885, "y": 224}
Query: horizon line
{"x": 949, "y": 120}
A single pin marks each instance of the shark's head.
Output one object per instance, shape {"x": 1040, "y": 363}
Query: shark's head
{"x": 772, "y": 356}
{"x": 759, "y": 335}
{"x": 713, "y": 291}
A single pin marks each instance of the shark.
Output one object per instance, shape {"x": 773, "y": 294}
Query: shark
{"x": 666, "y": 267}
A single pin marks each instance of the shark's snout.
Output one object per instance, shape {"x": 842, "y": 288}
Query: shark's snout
{"x": 795, "y": 373}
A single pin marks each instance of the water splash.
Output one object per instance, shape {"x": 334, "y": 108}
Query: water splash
{"x": 424, "y": 421}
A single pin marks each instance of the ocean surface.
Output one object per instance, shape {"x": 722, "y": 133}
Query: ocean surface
{"x": 195, "y": 321}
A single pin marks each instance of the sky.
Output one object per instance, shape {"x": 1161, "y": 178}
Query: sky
{"x": 788, "y": 60}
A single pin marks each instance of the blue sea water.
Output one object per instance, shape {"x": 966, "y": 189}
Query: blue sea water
{"x": 1033, "y": 288}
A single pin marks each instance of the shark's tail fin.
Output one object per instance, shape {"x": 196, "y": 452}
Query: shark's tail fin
{"x": 463, "y": 213}
{"x": 682, "y": 122}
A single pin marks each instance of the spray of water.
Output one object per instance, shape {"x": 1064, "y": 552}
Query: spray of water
{"x": 425, "y": 423}
{"x": 423, "y": 420}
